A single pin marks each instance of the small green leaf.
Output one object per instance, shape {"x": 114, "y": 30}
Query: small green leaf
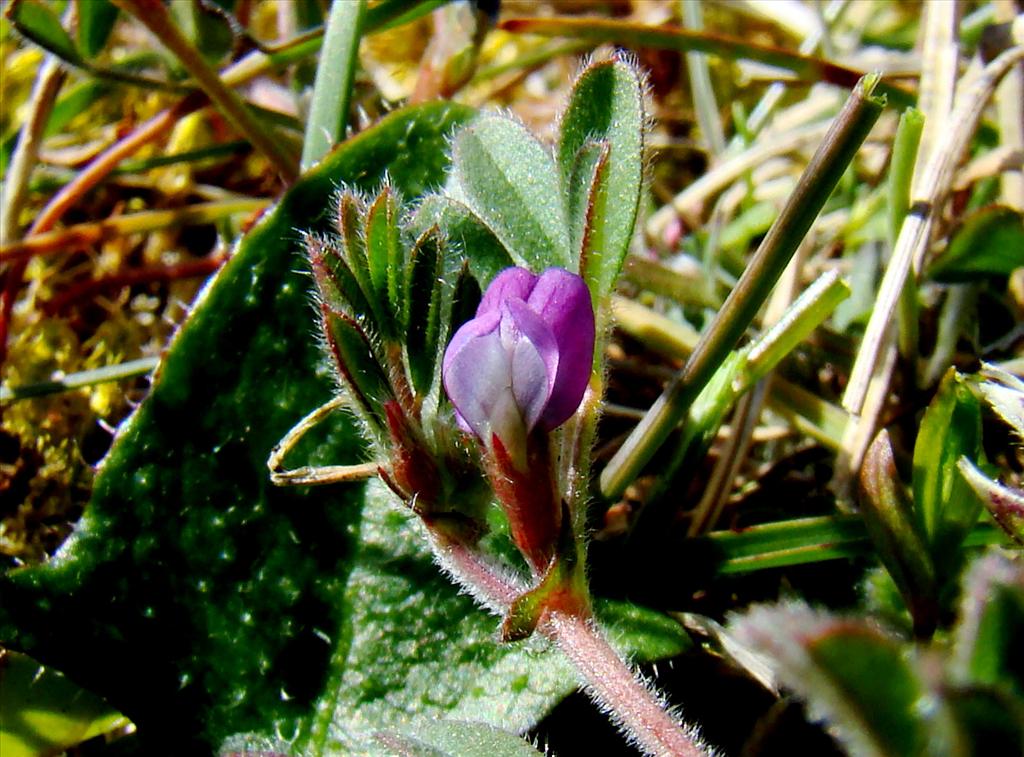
{"x": 466, "y": 234}
{"x": 335, "y": 281}
{"x": 41, "y": 24}
{"x": 892, "y": 527}
{"x": 945, "y": 504}
{"x": 505, "y": 176}
{"x": 423, "y": 298}
{"x": 351, "y": 219}
{"x": 586, "y": 201}
{"x": 42, "y": 712}
{"x": 989, "y": 243}
{"x": 991, "y": 625}
{"x": 96, "y": 19}
{"x": 353, "y": 357}
{"x": 384, "y": 252}
{"x": 606, "y": 106}
{"x": 837, "y": 666}
{"x": 452, "y": 738}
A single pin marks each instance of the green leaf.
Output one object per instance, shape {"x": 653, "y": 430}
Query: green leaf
{"x": 335, "y": 282}
{"x": 991, "y": 624}
{"x": 944, "y": 502}
{"x": 586, "y": 201}
{"x": 466, "y": 234}
{"x": 96, "y": 19}
{"x": 384, "y": 252}
{"x": 507, "y": 178}
{"x": 606, "y": 107}
{"x": 989, "y": 243}
{"x": 353, "y": 356}
{"x": 453, "y": 738}
{"x": 351, "y": 219}
{"x": 426, "y": 281}
{"x": 42, "y": 712}
{"x": 41, "y": 24}
{"x": 837, "y": 666}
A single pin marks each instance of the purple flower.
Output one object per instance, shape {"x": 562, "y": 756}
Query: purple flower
{"x": 524, "y": 361}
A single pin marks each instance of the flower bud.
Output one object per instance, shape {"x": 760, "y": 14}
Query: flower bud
{"x": 514, "y": 372}
{"x": 524, "y": 361}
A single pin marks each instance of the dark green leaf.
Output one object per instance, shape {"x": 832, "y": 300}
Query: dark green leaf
{"x": 606, "y": 107}
{"x": 353, "y": 356}
{"x": 384, "y": 253}
{"x": 426, "y": 281}
{"x": 837, "y": 666}
{"x": 96, "y": 19}
{"x": 335, "y": 281}
{"x": 945, "y": 504}
{"x": 989, "y": 243}
{"x": 41, "y": 24}
{"x": 509, "y": 180}
{"x": 452, "y": 738}
{"x": 190, "y": 578}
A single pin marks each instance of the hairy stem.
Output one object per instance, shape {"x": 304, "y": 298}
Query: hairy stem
{"x": 629, "y": 700}
{"x": 631, "y": 703}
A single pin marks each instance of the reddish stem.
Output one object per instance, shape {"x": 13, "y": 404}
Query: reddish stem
{"x": 630, "y": 701}
{"x": 186, "y": 270}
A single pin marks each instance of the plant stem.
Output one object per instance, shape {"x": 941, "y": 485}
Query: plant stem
{"x": 629, "y": 700}
{"x": 901, "y": 174}
{"x": 637, "y": 710}
{"x": 83, "y": 235}
{"x": 332, "y": 88}
{"x": 700, "y": 84}
{"x": 129, "y": 369}
{"x": 154, "y": 15}
{"x": 819, "y": 179}
{"x": 44, "y": 93}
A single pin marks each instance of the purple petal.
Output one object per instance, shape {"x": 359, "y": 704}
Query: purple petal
{"x": 562, "y": 300}
{"x": 535, "y": 358}
{"x": 476, "y": 371}
{"x": 512, "y": 282}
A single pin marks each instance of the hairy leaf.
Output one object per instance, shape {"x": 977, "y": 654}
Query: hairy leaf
{"x": 606, "y": 107}
{"x": 509, "y": 180}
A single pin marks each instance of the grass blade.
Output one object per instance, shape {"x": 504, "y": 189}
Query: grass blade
{"x": 332, "y": 89}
